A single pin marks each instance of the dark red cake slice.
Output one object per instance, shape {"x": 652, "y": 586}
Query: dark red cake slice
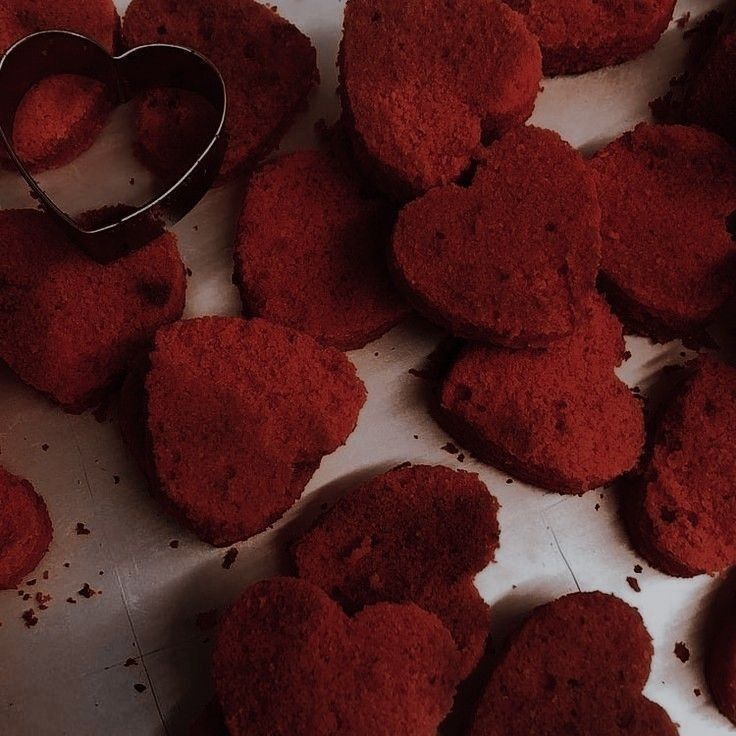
{"x": 667, "y": 194}
{"x": 233, "y": 416}
{"x": 576, "y": 666}
{"x": 69, "y": 326}
{"x": 512, "y": 259}
{"x": 269, "y": 67}
{"x": 62, "y": 115}
{"x": 558, "y": 418}
{"x": 289, "y": 661}
{"x": 682, "y": 513}
{"x": 311, "y": 251}
{"x": 423, "y": 83}
{"x": 25, "y": 529}
{"x": 582, "y": 35}
{"x": 417, "y": 533}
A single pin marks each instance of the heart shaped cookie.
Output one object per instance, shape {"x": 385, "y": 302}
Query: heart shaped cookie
{"x": 667, "y": 195}
{"x": 232, "y": 417}
{"x": 558, "y": 418}
{"x": 581, "y": 35}
{"x": 71, "y": 327}
{"x": 311, "y": 251}
{"x": 513, "y": 258}
{"x": 62, "y": 115}
{"x": 424, "y": 83}
{"x": 576, "y": 666}
{"x": 269, "y": 67}
{"x": 289, "y": 662}
{"x": 25, "y": 529}
{"x": 418, "y": 534}
{"x": 682, "y": 511}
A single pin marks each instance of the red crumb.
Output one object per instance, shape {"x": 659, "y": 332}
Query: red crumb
{"x": 634, "y": 584}
{"x": 229, "y": 559}
{"x": 682, "y": 652}
{"x": 450, "y": 448}
{"x": 139, "y": 687}
{"x": 86, "y": 591}
{"x": 43, "y": 600}
{"x": 29, "y": 617}
{"x": 174, "y": 544}
{"x": 82, "y": 529}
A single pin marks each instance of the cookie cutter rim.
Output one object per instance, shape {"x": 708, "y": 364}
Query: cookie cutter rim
{"x": 47, "y": 53}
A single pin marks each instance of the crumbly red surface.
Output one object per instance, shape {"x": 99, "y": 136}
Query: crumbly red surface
{"x": 582, "y": 35}
{"x": 666, "y": 193}
{"x": 269, "y": 67}
{"x": 287, "y": 660}
{"x": 25, "y": 529}
{"x": 418, "y": 534}
{"x": 409, "y": 75}
{"x": 577, "y": 665}
{"x": 682, "y": 514}
{"x": 513, "y": 258}
{"x": 720, "y": 655}
{"x": 311, "y": 252}
{"x": 62, "y": 115}
{"x": 70, "y": 327}
{"x": 703, "y": 95}
{"x": 558, "y": 418}
{"x": 238, "y": 415}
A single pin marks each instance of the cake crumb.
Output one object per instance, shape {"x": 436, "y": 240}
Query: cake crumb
{"x": 682, "y": 652}
{"x": 229, "y": 559}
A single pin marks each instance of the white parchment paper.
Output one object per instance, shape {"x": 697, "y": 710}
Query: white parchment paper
{"x": 68, "y": 674}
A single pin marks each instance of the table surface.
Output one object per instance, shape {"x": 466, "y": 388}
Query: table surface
{"x": 68, "y": 674}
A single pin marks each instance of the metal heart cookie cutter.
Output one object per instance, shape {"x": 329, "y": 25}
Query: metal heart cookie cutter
{"x": 49, "y": 53}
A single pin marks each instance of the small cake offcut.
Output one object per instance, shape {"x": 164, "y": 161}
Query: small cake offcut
{"x": 288, "y": 661}
{"x": 62, "y": 115}
{"x": 513, "y": 258}
{"x": 577, "y": 665}
{"x": 269, "y": 67}
{"x": 415, "y": 534}
{"x": 70, "y": 326}
{"x": 682, "y": 511}
{"x": 720, "y": 655}
{"x": 311, "y": 251}
{"x": 25, "y": 529}
{"x": 424, "y": 83}
{"x": 582, "y": 35}
{"x": 231, "y": 418}
{"x": 667, "y": 195}
{"x": 557, "y": 418}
